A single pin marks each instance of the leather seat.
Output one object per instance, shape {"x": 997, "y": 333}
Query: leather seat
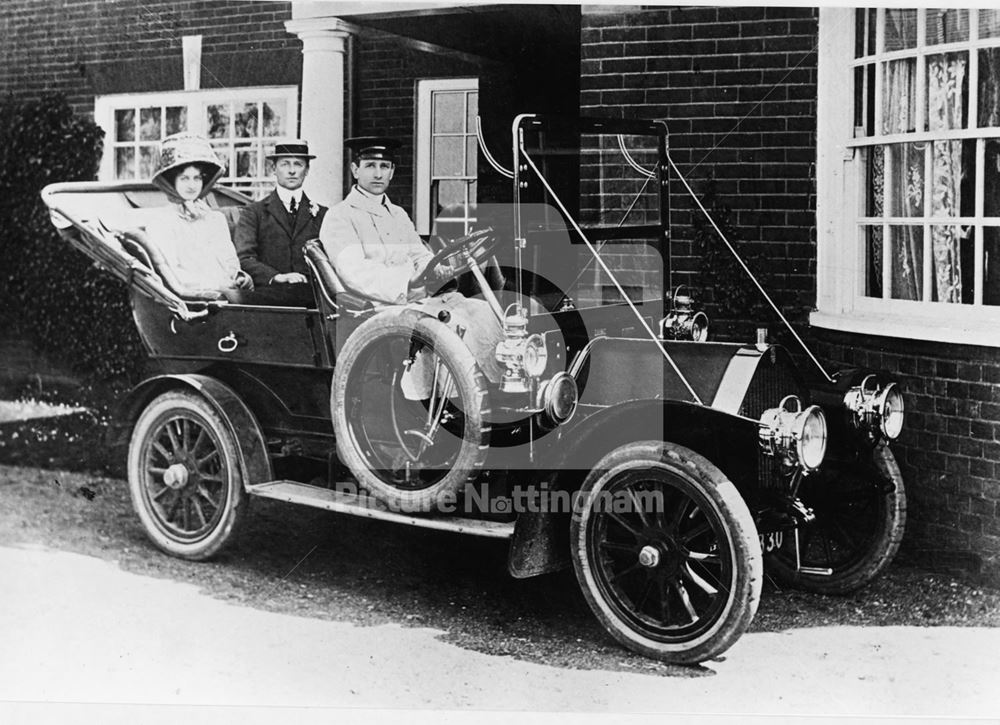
{"x": 138, "y": 245}
{"x": 331, "y": 287}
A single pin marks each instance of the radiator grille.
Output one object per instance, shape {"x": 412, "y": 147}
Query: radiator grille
{"x": 775, "y": 378}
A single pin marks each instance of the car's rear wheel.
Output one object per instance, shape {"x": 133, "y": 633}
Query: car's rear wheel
{"x": 410, "y": 406}
{"x": 184, "y": 476}
{"x": 666, "y": 552}
{"x": 860, "y": 517}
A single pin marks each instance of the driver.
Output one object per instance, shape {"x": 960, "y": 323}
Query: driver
{"x": 370, "y": 241}
{"x": 377, "y": 252}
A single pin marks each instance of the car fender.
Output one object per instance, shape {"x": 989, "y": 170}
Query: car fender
{"x": 540, "y": 543}
{"x": 255, "y": 463}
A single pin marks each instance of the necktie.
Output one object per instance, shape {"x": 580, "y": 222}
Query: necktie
{"x": 293, "y": 208}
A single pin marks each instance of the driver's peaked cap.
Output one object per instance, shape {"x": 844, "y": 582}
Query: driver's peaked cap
{"x": 373, "y": 147}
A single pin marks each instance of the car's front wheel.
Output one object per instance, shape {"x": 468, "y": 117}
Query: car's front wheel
{"x": 666, "y": 552}
{"x": 860, "y": 515}
{"x": 184, "y": 476}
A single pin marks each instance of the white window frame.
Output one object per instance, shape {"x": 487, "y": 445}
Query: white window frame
{"x": 423, "y": 134}
{"x": 840, "y": 300}
{"x": 195, "y": 101}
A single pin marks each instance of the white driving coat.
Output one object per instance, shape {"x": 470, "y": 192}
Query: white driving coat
{"x": 373, "y": 245}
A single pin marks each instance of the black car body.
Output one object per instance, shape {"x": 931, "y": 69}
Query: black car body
{"x": 666, "y": 469}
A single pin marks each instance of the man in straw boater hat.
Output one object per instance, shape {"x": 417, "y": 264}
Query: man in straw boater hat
{"x": 271, "y": 232}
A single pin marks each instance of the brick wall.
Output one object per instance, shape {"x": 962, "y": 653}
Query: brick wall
{"x": 85, "y": 48}
{"x": 737, "y": 87}
{"x": 386, "y": 93}
{"x": 949, "y": 451}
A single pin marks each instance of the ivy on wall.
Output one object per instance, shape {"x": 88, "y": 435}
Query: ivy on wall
{"x": 49, "y": 292}
{"x": 735, "y": 305}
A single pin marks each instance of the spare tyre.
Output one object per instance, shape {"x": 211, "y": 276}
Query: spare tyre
{"x": 410, "y": 410}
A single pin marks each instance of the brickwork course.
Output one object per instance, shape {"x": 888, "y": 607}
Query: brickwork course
{"x": 737, "y": 87}
{"x": 86, "y": 48}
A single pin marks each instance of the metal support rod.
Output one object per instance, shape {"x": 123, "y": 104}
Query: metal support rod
{"x": 484, "y": 285}
{"x": 611, "y": 276}
{"x": 746, "y": 269}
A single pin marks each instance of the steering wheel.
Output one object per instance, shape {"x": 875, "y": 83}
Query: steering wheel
{"x": 461, "y": 254}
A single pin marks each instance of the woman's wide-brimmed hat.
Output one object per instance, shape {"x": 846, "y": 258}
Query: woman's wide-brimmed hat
{"x": 295, "y": 148}
{"x": 185, "y": 149}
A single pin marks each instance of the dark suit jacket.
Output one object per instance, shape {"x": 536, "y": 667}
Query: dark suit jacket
{"x": 266, "y": 241}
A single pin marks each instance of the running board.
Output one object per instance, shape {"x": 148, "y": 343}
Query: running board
{"x": 368, "y": 506}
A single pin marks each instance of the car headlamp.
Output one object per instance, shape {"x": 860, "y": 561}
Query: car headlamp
{"x": 523, "y": 356}
{"x": 795, "y": 436}
{"x": 558, "y": 398}
{"x": 682, "y": 322}
{"x": 874, "y": 410}
{"x": 535, "y": 356}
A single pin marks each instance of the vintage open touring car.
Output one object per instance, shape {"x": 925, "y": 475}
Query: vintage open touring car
{"x": 666, "y": 469}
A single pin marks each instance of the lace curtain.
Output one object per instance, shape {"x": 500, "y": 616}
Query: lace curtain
{"x": 906, "y": 179}
{"x": 945, "y": 76}
{"x": 945, "y": 103}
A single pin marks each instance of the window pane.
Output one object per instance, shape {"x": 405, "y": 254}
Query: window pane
{"x": 900, "y": 29}
{"x": 149, "y": 124}
{"x": 125, "y": 163}
{"x": 223, "y": 153}
{"x": 274, "y": 118}
{"x": 948, "y": 248}
{"x": 947, "y": 26}
{"x": 451, "y": 193}
{"x": 989, "y": 87}
{"x": 948, "y": 178}
{"x": 989, "y": 23}
{"x": 245, "y": 121}
{"x": 147, "y": 161}
{"x": 859, "y": 32}
{"x": 873, "y": 260}
{"x": 471, "y": 155}
{"x": 906, "y": 181}
{"x": 991, "y": 182}
{"x": 177, "y": 117}
{"x": 899, "y": 96}
{"x": 125, "y": 124}
{"x": 448, "y": 156}
{"x": 246, "y": 160}
{"x": 872, "y": 18}
{"x": 218, "y": 120}
{"x": 470, "y": 121}
{"x": 449, "y": 111}
{"x": 991, "y": 266}
{"x": 907, "y": 250}
{"x": 874, "y": 160}
{"x": 864, "y": 100}
{"x": 947, "y": 91}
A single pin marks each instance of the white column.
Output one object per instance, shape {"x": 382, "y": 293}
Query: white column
{"x": 324, "y": 43}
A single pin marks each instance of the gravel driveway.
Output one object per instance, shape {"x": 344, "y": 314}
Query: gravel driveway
{"x": 314, "y": 609}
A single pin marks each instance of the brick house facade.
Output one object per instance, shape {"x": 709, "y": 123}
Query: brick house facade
{"x": 742, "y": 91}
{"x": 90, "y": 48}
{"x": 738, "y": 88}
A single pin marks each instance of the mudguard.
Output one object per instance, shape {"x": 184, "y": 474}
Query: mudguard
{"x": 255, "y": 463}
{"x": 735, "y": 383}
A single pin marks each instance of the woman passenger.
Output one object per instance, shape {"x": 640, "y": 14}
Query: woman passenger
{"x": 192, "y": 237}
